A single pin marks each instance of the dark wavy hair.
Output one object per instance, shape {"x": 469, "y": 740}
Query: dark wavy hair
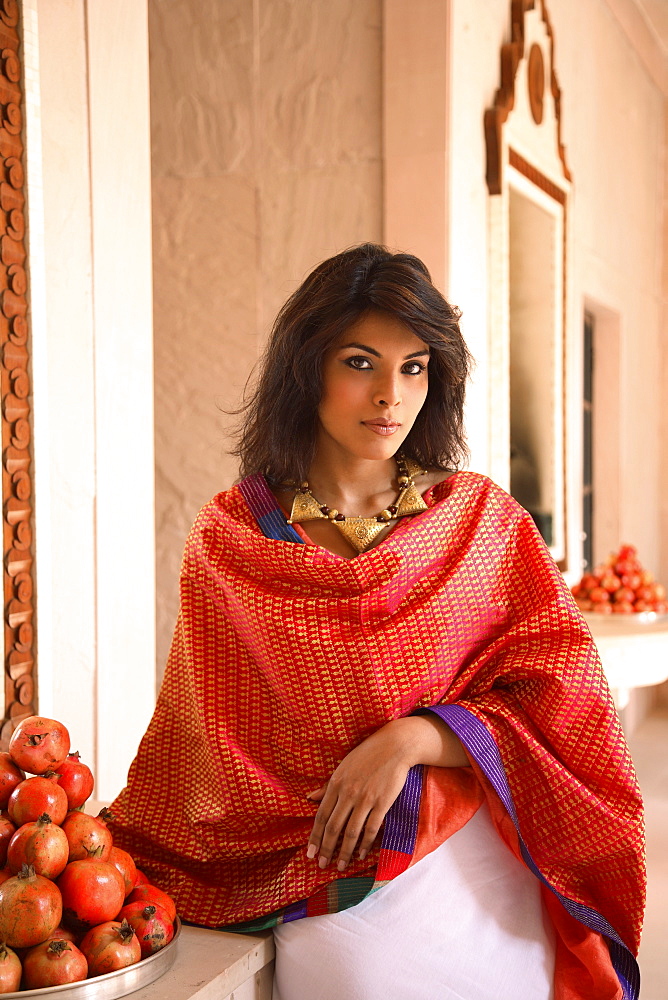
{"x": 277, "y": 435}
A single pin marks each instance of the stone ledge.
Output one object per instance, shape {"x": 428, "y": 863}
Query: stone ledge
{"x": 211, "y": 964}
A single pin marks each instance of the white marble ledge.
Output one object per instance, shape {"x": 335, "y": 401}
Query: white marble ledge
{"x": 216, "y": 965}
{"x": 633, "y": 654}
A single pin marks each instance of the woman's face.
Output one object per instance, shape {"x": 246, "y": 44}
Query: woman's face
{"x": 373, "y": 387}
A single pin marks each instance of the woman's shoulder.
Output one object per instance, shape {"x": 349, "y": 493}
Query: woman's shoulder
{"x": 228, "y": 507}
{"x": 474, "y": 489}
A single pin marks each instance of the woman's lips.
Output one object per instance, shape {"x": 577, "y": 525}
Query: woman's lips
{"x": 381, "y": 428}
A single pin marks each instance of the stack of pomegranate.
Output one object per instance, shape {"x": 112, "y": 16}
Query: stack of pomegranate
{"x": 620, "y": 586}
{"x": 72, "y": 906}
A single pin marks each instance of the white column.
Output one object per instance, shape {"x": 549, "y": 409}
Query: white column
{"x": 118, "y": 95}
{"x": 88, "y": 168}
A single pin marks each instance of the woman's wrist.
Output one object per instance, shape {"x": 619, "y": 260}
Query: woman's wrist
{"x": 426, "y": 739}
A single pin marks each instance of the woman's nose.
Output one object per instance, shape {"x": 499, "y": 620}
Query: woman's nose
{"x": 387, "y": 393}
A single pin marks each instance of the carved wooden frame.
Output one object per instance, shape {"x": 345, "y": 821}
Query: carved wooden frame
{"x": 504, "y": 100}
{"x": 15, "y": 386}
{"x": 501, "y": 154}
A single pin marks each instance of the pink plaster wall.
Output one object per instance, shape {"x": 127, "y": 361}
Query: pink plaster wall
{"x": 266, "y": 146}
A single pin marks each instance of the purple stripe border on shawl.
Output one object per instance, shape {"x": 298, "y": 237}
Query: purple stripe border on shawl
{"x": 266, "y": 510}
{"x": 401, "y": 821}
{"x": 480, "y": 743}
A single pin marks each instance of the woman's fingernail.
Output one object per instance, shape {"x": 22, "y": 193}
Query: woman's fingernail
{"x": 363, "y": 854}
{"x": 310, "y": 853}
{"x": 323, "y": 862}
{"x": 341, "y": 865}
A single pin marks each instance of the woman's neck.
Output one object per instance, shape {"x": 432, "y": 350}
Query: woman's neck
{"x": 353, "y": 486}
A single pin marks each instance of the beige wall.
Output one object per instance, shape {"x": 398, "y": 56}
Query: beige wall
{"x": 268, "y": 155}
{"x": 266, "y": 145}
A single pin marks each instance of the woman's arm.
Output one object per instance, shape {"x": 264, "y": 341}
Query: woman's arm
{"x": 357, "y": 797}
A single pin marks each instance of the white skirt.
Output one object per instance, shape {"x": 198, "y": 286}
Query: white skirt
{"x": 464, "y": 923}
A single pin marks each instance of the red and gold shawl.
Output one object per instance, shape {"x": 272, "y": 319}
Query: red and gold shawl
{"x": 286, "y": 656}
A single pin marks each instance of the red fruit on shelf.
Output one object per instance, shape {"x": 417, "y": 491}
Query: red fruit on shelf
{"x": 35, "y": 796}
{"x": 623, "y": 608}
{"x": 624, "y": 596}
{"x": 150, "y": 923}
{"x": 76, "y": 779}
{"x": 39, "y": 744}
{"x": 7, "y": 831}
{"x": 30, "y": 909}
{"x": 10, "y": 970}
{"x": 10, "y": 776}
{"x": 631, "y": 589}
{"x": 110, "y": 946}
{"x": 53, "y": 963}
{"x": 92, "y": 893}
{"x": 64, "y": 933}
{"x": 41, "y": 844}
{"x": 151, "y": 894}
{"x": 125, "y": 863}
{"x": 598, "y": 595}
{"x": 88, "y": 836}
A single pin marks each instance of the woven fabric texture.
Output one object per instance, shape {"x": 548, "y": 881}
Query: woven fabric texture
{"x": 286, "y": 656}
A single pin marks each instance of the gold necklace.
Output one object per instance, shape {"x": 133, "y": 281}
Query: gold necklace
{"x": 361, "y": 531}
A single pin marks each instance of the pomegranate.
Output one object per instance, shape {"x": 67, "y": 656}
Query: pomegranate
{"x": 5, "y": 873}
{"x": 151, "y": 894}
{"x": 41, "y": 844}
{"x": 30, "y": 909}
{"x": 10, "y": 970}
{"x": 7, "y": 831}
{"x": 10, "y": 775}
{"x": 110, "y": 946}
{"x": 150, "y": 923}
{"x": 125, "y": 863}
{"x": 39, "y": 744}
{"x": 63, "y": 933}
{"x": 53, "y": 963}
{"x": 35, "y": 796}
{"x": 92, "y": 891}
{"x": 88, "y": 836}
{"x": 141, "y": 879}
{"x": 76, "y": 779}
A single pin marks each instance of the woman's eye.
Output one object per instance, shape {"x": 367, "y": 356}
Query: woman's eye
{"x": 359, "y": 363}
{"x": 414, "y": 368}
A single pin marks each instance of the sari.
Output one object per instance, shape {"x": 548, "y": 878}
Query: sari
{"x": 286, "y": 656}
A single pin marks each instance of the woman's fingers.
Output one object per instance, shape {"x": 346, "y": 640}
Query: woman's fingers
{"x": 358, "y": 826}
{"x": 371, "y": 831}
{"x": 329, "y": 828}
{"x": 322, "y": 817}
{"x": 318, "y": 794}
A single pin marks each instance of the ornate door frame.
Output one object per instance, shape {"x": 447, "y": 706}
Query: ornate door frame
{"x": 15, "y": 387}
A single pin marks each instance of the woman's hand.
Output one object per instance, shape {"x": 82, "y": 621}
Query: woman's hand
{"x": 357, "y": 797}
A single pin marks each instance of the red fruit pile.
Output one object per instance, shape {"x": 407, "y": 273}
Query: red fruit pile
{"x": 620, "y": 586}
{"x": 72, "y": 906}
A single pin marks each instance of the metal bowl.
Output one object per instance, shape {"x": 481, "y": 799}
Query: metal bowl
{"x": 635, "y": 618}
{"x": 112, "y": 985}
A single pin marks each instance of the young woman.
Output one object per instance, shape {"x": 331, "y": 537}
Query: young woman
{"x": 383, "y": 728}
